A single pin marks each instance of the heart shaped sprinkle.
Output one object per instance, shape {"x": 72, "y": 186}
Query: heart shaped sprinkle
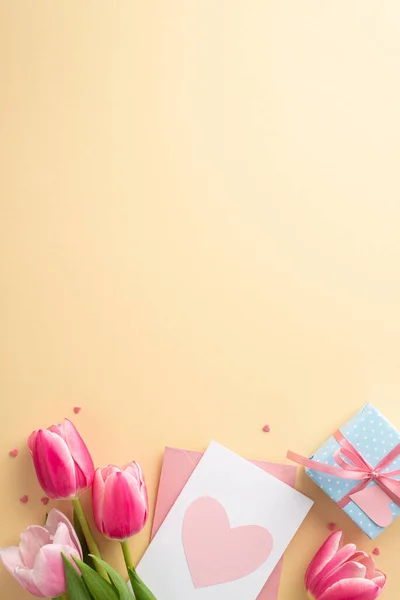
{"x": 24, "y": 499}
{"x": 44, "y": 500}
{"x": 331, "y": 526}
{"x": 77, "y": 409}
{"x": 14, "y": 452}
{"x": 266, "y": 428}
{"x": 376, "y": 551}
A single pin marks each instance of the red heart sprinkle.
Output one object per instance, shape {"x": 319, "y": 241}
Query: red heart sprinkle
{"x": 332, "y": 526}
{"x": 77, "y": 409}
{"x": 266, "y": 428}
{"x": 44, "y": 500}
{"x": 14, "y": 452}
{"x": 376, "y": 551}
{"x": 24, "y": 499}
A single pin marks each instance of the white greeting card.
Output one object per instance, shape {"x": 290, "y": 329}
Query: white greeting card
{"x": 225, "y": 533}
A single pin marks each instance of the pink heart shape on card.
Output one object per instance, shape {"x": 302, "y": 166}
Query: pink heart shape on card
{"x": 375, "y": 503}
{"x": 216, "y": 552}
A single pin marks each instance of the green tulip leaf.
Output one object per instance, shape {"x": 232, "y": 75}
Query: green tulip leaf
{"x": 140, "y": 589}
{"x": 99, "y": 588}
{"x": 82, "y": 540}
{"x": 75, "y": 585}
{"x": 119, "y": 583}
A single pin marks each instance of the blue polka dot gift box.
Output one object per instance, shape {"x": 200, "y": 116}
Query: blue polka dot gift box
{"x": 359, "y": 468}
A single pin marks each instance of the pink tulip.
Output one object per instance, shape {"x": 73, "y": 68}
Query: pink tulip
{"x": 37, "y": 562}
{"x": 63, "y": 464}
{"x": 338, "y": 572}
{"x": 120, "y": 504}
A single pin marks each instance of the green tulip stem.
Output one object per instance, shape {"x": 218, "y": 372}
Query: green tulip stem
{"x": 91, "y": 542}
{"x": 127, "y": 554}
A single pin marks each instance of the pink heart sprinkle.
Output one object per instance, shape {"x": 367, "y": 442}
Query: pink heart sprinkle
{"x": 44, "y": 500}
{"x": 266, "y": 428}
{"x": 14, "y": 452}
{"x": 77, "y": 409}
{"x": 24, "y": 499}
{"x": 376, "y": 551}
{"x": 331, "y": 526}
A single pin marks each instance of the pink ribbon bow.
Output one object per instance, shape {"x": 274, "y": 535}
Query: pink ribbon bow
{"x": 352, "y": 465}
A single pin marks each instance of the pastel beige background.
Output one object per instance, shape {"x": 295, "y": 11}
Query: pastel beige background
{"x": 199, "y": 233}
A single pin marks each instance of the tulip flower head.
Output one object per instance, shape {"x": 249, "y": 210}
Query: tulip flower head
{"x": 341, "y": 572}
{"x": 62, "y": 461}
{"x": 37, "y": 562}
{"x": 120, "y": 504}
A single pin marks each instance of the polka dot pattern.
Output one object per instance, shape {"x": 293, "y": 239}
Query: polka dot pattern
{"x": 373, "y": 436}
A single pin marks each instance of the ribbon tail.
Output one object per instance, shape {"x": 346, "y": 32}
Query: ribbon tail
{"x": 391, "y": 487}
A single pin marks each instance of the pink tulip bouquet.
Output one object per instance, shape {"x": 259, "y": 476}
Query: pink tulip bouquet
{"x": 60, "y": 560}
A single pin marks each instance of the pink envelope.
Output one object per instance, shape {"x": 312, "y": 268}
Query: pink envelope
{"x": 178, "y": 465}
